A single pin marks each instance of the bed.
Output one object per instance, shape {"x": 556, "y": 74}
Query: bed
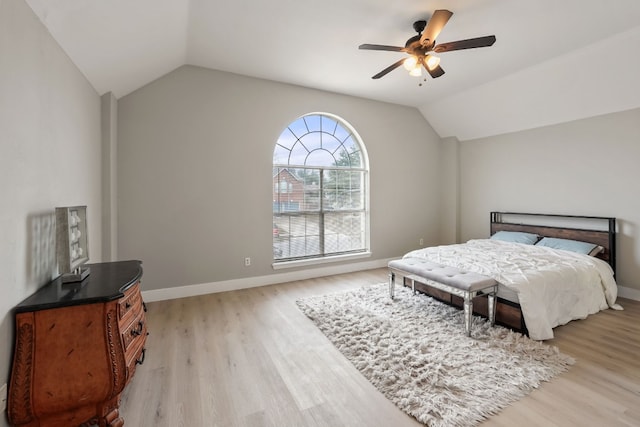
{"x": 551, "y": 269}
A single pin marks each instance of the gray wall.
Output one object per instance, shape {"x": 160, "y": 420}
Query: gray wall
{"x": 584, "y": 167}
{"x": 109, "y": 126}
{"x": 195, "y": 153}
{"x": 49, "y": 156}
{"x": 449, "y": 191}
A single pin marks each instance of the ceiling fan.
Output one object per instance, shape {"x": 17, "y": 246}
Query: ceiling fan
{"x": 421, "y": 47}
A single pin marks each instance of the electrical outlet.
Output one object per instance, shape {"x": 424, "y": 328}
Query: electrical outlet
{"x": 3, "y": 398}
{"x": 247, "y": 262}
{"x": 421, "y": 241}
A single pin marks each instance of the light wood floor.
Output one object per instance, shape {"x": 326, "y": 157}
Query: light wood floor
{"x": 251, "y": 358}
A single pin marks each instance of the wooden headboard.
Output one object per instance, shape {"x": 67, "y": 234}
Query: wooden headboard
{"x": 591, "y": 229}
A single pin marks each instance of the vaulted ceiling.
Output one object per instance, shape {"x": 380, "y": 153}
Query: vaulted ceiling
{"x": 553, "y": 61}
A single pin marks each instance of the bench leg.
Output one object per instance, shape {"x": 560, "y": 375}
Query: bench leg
{"x": 491, "y": 301}
{"x": 392, "y": 284}
{"x": 468, "y": 312}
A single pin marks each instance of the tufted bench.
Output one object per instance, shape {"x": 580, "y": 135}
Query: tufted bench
{"x": 464, "y": 284}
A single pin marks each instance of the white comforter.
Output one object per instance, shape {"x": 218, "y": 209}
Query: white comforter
{"x": 553, "y": 286}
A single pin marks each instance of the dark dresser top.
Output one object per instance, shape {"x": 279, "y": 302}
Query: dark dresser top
{"x": 106, "y": 281}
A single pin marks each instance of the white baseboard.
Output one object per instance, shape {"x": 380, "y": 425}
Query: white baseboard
{"x": 629, "y": 293}
{"x": 272, "y": 279}
{"x": 253, "y": 282}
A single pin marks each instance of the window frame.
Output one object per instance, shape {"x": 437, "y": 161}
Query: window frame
{"x": 322, "y": 212}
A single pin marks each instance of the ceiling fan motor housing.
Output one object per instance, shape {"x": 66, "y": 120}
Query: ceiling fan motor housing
{"x": 419, "y": 26}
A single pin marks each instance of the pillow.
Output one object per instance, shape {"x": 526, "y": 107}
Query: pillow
{"x": 571, "y": 245}
{"x": 516, "y": 237}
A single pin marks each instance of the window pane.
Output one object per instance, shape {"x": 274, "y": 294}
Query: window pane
{"x": 311, "y": 141}
{"x": 298, "y": 155}
{"x": 287, "y": 191}
{"x": 313, "y": 123}
{"x": 343, "y": 190}
{"x": 296, "y": 236}
{"x": 287, "y": 139}
{"x": 353, "y": 150}
{"x": 356, "y": 159}
{"x": 343, "y": 158}
{"x": 280, "y": 155}
{"x": 330, "y": 143}
{"x": 320, "y": 158}
{"x": 328, "y": 125}
{"x": 344, "y": 232}
{"x": 311, "y": 189}
{"x": 298, "y": 128}
{"x": 341, "y": 133}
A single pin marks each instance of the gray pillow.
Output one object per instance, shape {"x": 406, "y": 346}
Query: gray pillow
{"x": 571, "y": 245}
{"x": 516, "y": 237}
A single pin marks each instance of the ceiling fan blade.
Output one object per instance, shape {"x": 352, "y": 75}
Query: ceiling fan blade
{"x": 465, "y": 44}
{"x": 381, "y": 47}
{"x": 437, "y": 22}
{"x": 389, "y": 69}
{"x": 436, "y": 72}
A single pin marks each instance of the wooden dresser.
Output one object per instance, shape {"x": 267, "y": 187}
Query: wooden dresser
{"x": 77, "y": 347}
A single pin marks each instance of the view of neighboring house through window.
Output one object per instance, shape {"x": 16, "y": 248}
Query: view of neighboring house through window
{"x": 319, "y": 190}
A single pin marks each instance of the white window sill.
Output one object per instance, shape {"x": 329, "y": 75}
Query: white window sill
{"x": 316, "y": 261}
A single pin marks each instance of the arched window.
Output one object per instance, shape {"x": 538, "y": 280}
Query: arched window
{"x": 320, "y": 190}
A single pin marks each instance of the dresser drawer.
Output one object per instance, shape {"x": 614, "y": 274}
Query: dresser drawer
{"x": 134, "y": 331}
{"x": 133, "y": 363}
{"x": 131, "y": 300}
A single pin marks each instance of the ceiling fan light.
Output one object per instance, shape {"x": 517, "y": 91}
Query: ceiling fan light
{"x": 416, "y": 72}
{"x": 410, "y": 63}
{"x": 431, "y": 62}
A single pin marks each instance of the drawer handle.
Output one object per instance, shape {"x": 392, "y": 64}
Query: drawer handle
{"x": 144, "y": 306}
{"x": 142, "y": 356}
{"x": 137, "y": 332}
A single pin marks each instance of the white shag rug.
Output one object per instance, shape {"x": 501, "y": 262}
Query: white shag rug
{"x": 414, "y": 350}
